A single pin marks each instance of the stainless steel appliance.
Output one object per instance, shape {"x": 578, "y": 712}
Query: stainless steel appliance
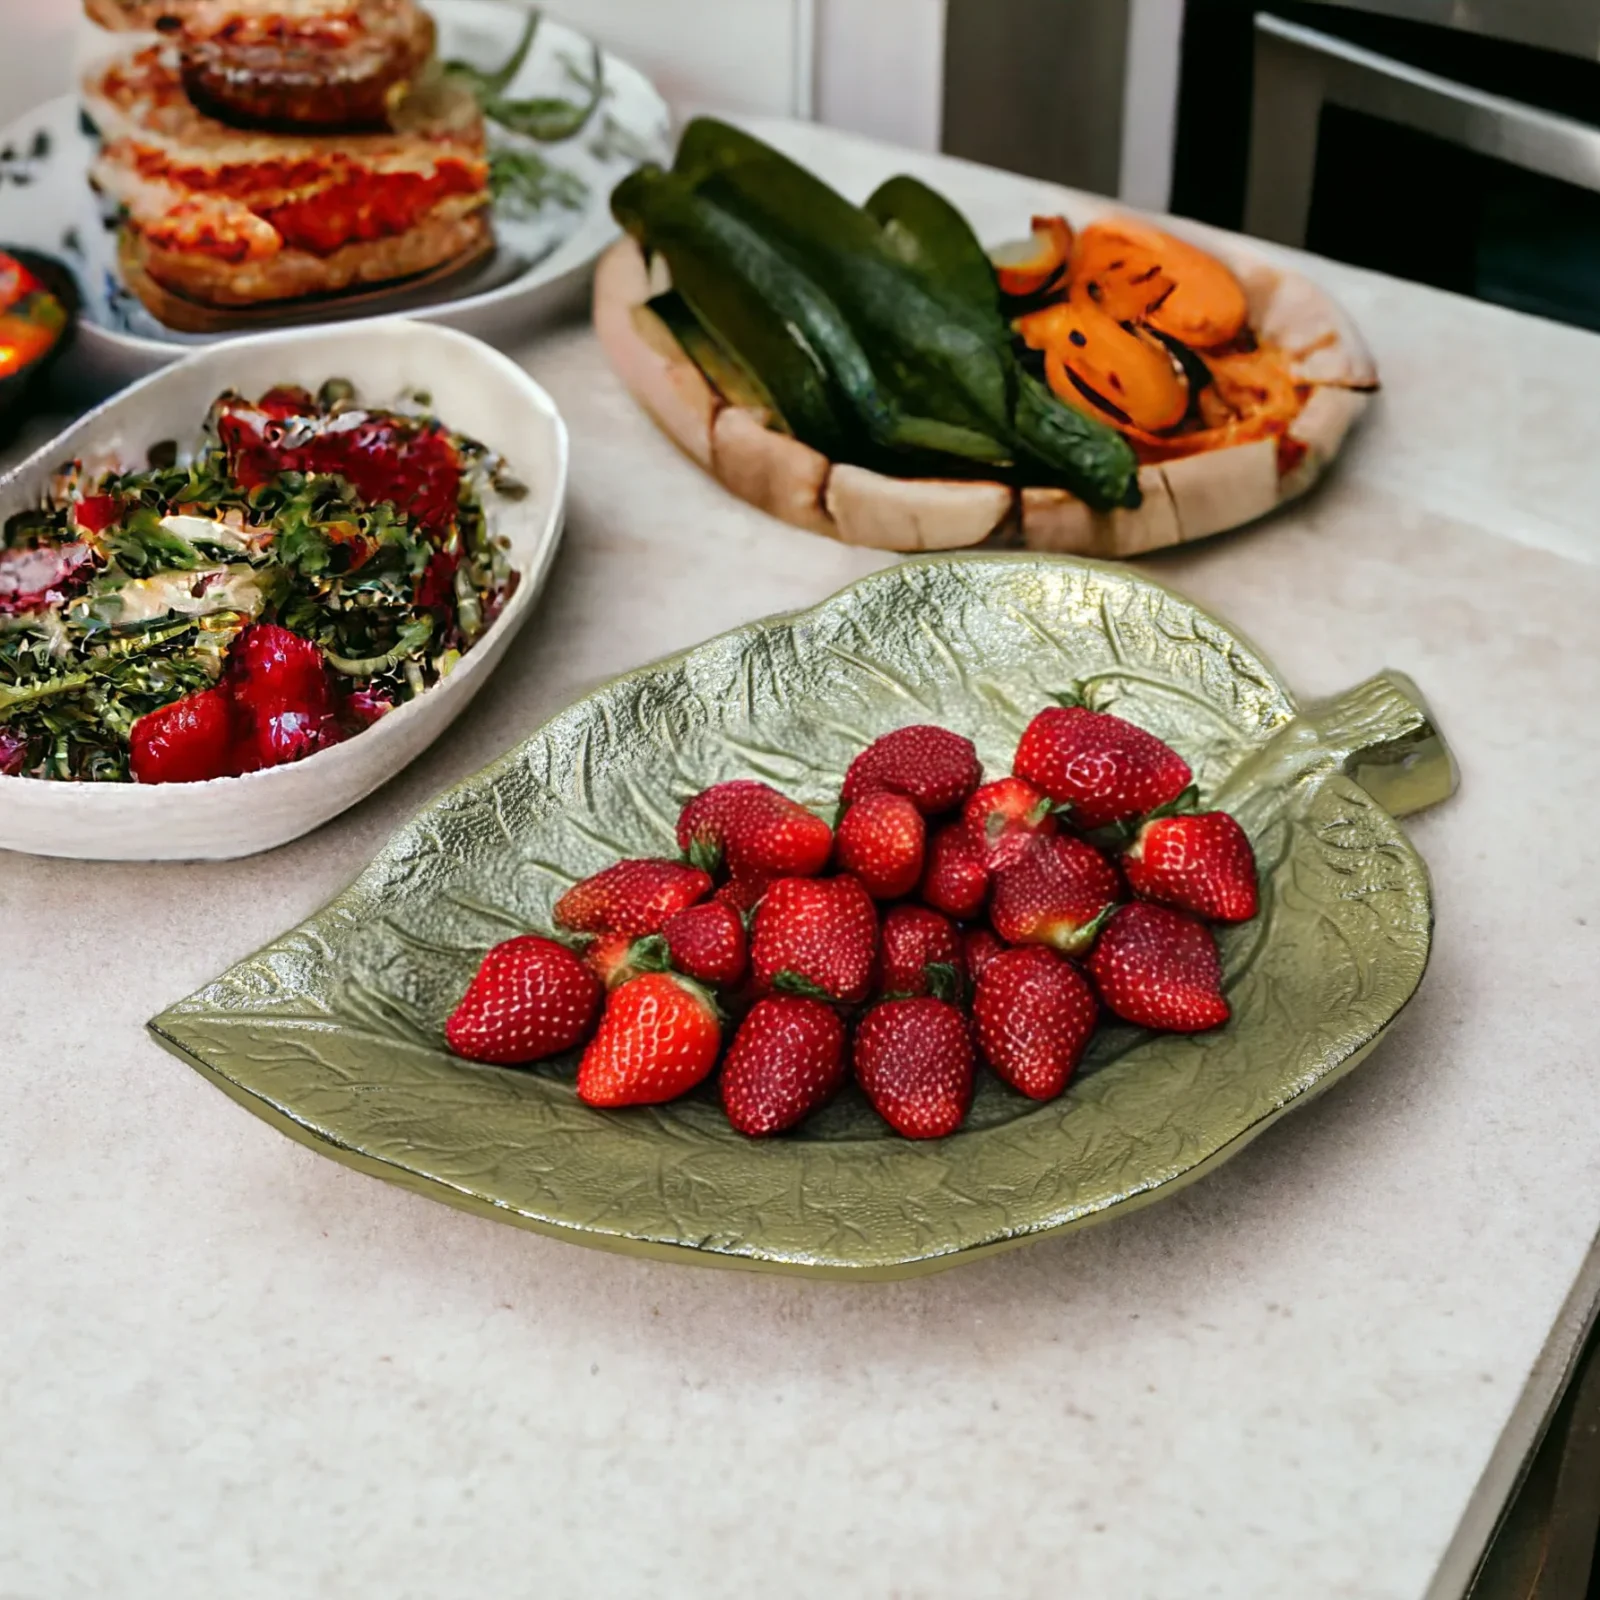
{"x": 1453, "y": 142}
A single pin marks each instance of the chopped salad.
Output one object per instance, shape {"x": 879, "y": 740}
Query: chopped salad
{"x": 309, "y": 565}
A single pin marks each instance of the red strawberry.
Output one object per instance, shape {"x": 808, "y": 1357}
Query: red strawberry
{"x": 817, "y": 936}
{"x": 634, "y": 897}
{"x": 881, "y": 841}
{"x": 609, "y": 957}
{"x": 283, "y": 698}
{"x": 1001, "y": 819}
{"x": 956, "y": 881}
{"x": 707, "y": 942}
{"x": 921, "y": 953}
{"x": 366, "y": 705}
{"x": 931, "y": 766}
{"x": 531, "y": 998}
{"x": 740, "y": 895}
{"x": 1106, "y": 769}
{"x": 96, "y": 512}
{"x": 787, "y": 1059}
{"x": 978, "y": 948}
{"x": 13, "y": 752}
{"x": 1201, "y": 863}
{"x": 759, "y": 834}
{"x": 272, "y": 669}
{"x": 273, "y": 738}
{"x": 185, "y": 742}
{"x": 1160, "y": 968}
{"x": 915, "y": 1060}
{"x": 659, "y": 1037}
{"x": 1057, "y": 894}
{"x": 1035, "y": 1014}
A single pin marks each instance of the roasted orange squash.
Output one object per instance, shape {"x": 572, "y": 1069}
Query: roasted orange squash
{"x": 1029, "y": 266}
{"x": 1090, "y": 355}
{"x": 1253, "y": 383}
{"x": 1140, "y": 273}
{"x": 1125, "y": 281}
{"x": 1252, "y": 396}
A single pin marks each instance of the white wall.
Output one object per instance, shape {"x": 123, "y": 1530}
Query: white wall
{"x": 1150, "y": 102}
{"x": 36, "y": 53}
{"x": 880, "y": 68}
{"x": 752, "y": 56}
{"x": 873, "y": 66}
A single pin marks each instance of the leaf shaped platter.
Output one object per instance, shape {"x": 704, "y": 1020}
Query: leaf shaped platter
{"x": 334, "y": 1032}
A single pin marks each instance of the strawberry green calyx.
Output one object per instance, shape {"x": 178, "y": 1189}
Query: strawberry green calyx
{"x": 790, "y": 982}
{"x": 939, "y": 980}
{"x": 704, "y": 853}
{"x": 649, "y": 954}
{"x": 1181, "y": 805}
{"x": 1087, "y": 934}
{"x": 1117, "y": 837}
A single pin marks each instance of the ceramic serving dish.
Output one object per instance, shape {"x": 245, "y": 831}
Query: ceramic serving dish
{"x": 539, "y": 261}
{"x": 474, "y": 389}
{"x": 1183, "y": 499}
{"x": 333, "y": 1033}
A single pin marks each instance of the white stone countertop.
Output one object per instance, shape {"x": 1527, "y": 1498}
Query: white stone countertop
{"x": 231, "y": 1367}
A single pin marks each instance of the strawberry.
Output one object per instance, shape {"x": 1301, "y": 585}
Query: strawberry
{"x": 1160, "y": 969}
{"x": 931, "y": 766}
{"x": 1200, "y": 862}
{"x": 366, "y": 705}
{"x": 659, "y": 1037}
{"x": 272, "y": 669}
{"x": 816, "y": 936}
{"x": 880, "y": 841}
{"x": 634, "y": 897}
{"x": 787, "y": 1059}
{"x": 531, "y": 998}
{"x": 921, "y": 953}
{"x": 915, "y": 1060}
{"x": 1001, "y": 819}
{"x": 707, "y": 942}
{"x": 1035, "y": 1014}
{"x": 956, "y": 881}
{"x": 978, "y": 948}
{"x": 13, "y": 752}
{"x": 1105, "y": 769}
{"x": 609, "y": 957}
{"x": 185, "y": 742}
{"x": 1057, "y": 894}
{"x": 272, "y": 738}
{"x": 757, "y": 833}
{"x": 740, "y": 895}
{"x": 283, "y": 698}
{"x": 94, "y": 513}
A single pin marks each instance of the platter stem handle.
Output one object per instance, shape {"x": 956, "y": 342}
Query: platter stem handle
{"x": 1383, "y": 735}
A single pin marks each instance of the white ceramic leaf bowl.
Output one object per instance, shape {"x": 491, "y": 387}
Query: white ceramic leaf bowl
{"x": 475, "y": 391}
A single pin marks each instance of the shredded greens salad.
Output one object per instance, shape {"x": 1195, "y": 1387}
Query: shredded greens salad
{"x": 365, "y": 531}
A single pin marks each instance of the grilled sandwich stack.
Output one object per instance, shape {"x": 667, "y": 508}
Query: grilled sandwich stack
{"x": 268, "y": 151}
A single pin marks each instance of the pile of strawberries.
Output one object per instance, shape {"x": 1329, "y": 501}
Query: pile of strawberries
{"x": 947, "y": 920}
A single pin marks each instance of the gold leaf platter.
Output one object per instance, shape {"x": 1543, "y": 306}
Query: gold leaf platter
{"x": 333, "y": 1033}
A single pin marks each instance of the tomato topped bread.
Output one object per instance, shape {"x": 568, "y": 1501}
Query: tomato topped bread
{"x": 233, "y": 218}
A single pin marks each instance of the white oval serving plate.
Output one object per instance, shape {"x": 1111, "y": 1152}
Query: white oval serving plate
{"x": 475, "y": 391}
{"x": 538, "y": 264}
